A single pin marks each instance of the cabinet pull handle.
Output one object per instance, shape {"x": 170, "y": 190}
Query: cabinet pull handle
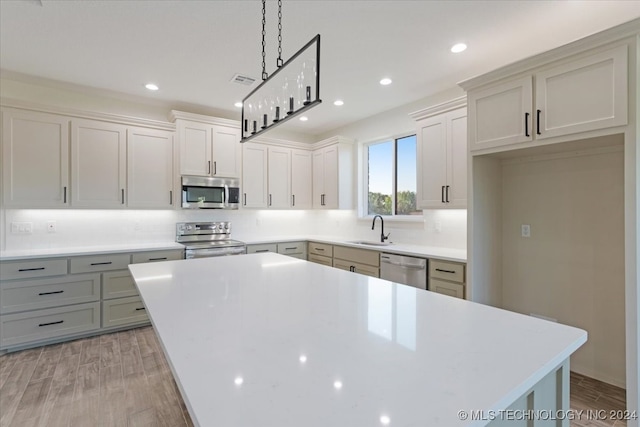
{"x": 322, "y": 201}
{"x": 526, "y": 124}
{"x": 51, "y": 323}
{"x": 122, "y": 192}
{"x": 442, "y": 194}
{"x": 262, "y": 250}
{"x": 293, "y": 200}
{"x": 209, "y": 167}
{"x": 215, "y": 168}
{"x": 65, "y": 194}
{"x": 50, "y": 293}
{"x": 290, "y": 249}
{"x": 102, "y": 263}
{"x": 538, "y": 122}
{"x": 318, "y": 249}
{"x": 170, "y": 197}
{"x": 158, "y": 259}
{"x": 445, "y": 271}
{"x": 32, "y": 269}
{"x": 447, "y": 192}
{"x": 244, "y": 199}
{"x": 140, "y": 308}
{"x": 269, "y": 199}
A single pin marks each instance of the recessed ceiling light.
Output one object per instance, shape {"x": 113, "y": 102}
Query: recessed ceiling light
{"x": 385, "y": 81}
{"x": 385, "y": 420}
{"x": 151, "y": 86}
{"x": 457, "y": 48}
{"x": 304, "y": 118}
{"x": 338, "y": 102}
{"x": 238, "y": 104}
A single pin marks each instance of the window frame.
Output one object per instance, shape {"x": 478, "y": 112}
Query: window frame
{"x": 363, "y": 200}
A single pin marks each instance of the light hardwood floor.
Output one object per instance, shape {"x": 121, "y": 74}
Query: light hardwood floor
{"x": 122, "y": 379}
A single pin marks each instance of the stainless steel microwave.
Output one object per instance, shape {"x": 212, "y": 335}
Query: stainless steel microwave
{"x": 199, "y": 192}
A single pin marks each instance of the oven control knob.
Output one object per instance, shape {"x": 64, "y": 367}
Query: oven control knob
{"x": 226, "y": 226}
{"x": 220, "y": 226}
{"x": 189, "y": 227}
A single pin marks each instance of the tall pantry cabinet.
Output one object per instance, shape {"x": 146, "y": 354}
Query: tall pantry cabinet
{"x": 553, "y": 146}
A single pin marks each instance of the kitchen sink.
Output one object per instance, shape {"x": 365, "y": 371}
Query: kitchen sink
{"x": 369, "y": 242}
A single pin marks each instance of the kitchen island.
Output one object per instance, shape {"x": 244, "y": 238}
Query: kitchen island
{"x": 268, "y": 340}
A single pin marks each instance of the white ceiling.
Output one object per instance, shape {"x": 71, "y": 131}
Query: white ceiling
{"x": 191, "y": 49}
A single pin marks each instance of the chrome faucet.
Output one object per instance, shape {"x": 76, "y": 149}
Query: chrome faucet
{"x": 373, "y": 226}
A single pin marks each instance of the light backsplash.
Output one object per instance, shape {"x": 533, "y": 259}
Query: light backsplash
{"x": 80, "y": 228}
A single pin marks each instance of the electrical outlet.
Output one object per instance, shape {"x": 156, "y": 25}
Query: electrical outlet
{"x": 21, "y": 227}
{"x": 525, "y": 230}
{"x": 51, "y": 226}
{"x": 438, "y": 226}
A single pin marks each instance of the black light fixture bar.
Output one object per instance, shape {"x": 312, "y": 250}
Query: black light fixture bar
{"x": 258, "y": 124}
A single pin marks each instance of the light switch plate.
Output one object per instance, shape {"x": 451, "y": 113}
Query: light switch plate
{"x": 525, "y": 230}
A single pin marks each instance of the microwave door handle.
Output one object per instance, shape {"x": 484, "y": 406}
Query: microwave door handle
{"x": 226, "y": 196}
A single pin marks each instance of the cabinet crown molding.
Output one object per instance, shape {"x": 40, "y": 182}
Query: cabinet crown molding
{"x": 82, "y": 114}
{"x": 615, "y": 34}
{"x": 182, "y": 115}
{"x": 444, "y": 107}
{"x": 332, "y": 141}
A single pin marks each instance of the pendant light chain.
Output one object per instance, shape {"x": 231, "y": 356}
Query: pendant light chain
{"x": 279, "y": 61}
{"x": 265, "y": 76}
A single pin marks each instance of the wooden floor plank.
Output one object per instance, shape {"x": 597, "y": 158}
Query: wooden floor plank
{"x": 48, "y": 361}
{"x": 90, "y": 351}
{"x": 32, "y": 402}
{"x": 16, "y": 383}
{"x": 87, "y": 380}
{"x": 110, "y": 353}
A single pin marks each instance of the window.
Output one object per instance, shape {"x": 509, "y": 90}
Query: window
{"x": 391, "y": 177}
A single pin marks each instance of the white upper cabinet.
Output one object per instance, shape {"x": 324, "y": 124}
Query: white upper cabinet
{"x": 98, "y": 164}
{"x": 585, "y": 93}
{"x": 301, "y": 180}
{"x": 35, "y": 159}
{"x": 209, "y": 150}
{"x": 333, "y": 176}
{"x": 225, "y": 143}
{"x": 279, "y": 177}
{"x": 254, "y": 175}
{"x": 149, "y": 168}
{"x": 442, "y": 160}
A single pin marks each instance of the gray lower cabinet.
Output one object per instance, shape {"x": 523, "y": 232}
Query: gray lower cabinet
{"x": 293, "y": 249}
{"x": 261, "y": 248}
{"x": 53, "y": 299}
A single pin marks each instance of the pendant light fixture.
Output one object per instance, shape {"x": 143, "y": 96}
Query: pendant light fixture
{"x": 293, "y": 88}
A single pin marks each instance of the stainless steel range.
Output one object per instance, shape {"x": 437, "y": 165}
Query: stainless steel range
{"x": 208, "y": 239}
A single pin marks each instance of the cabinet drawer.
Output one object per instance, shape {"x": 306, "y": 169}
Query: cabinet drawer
{"x": 118, "y": 284}
{"x": 29, "y": 269}
{"x": 123, "y": 311}
{"x": 155, "y": 256}
{"x": 292, "y": 248}
{"x": 267, "y": 247}
{"x": 447, "y": 288}
{"x": 361, "y": 256}
{"x": 21, "y": 295}
{"x": 319, "y": 259}
{"x": 90, "y": 264}
{"x": 446, "y": 270}
{"x": 356, "y": 267}
{"x": 321, "y": 249}
{"x": 49, "y": 323}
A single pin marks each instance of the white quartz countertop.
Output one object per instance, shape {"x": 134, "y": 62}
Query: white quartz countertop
{"x": 14, "y": 255}
{"x": 269, "y": 340}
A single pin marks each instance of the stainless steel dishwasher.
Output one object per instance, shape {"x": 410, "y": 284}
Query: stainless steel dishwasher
{"x": 404, "y": 269}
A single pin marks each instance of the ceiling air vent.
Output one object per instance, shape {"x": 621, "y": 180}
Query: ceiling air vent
{"x": 243, "y": 80}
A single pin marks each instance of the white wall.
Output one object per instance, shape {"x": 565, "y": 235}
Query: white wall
{"x": 572, "y": 267}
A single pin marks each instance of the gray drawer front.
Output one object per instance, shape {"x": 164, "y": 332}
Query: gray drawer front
{"x": 118, "y": 284}
{"x": 267, "y": 247}
{"x": 292, "y": 248}
{"x": 123, "y": 311}
{"x": 30, "y": 269}
{"x": 90, "y": 264}
{"x": 21, "y": 295}
{"x": 156, "y": 256}
{"x": 321, "y": 249}
{"x": 49, "y": 323}
{"x": 446, "y": 270}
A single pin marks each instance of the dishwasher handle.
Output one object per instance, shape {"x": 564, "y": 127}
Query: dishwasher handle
{"x": 422, "y": 264}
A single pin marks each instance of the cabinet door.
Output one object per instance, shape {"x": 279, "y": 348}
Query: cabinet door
{"x": 254, "y": 175}
{"x": 279, "y": 178}
{"x": 331, "y": 178}
{"x": 301, "y": 176}
{"x": 318, "y": 179}
{"x": 432, "y": 159}
{"x": 226, "y": 151}
{"x": 195, "y": 148}
{"x": 457, "y": 159}
{"x": 149, "y": 168}
{"x": 501, "y": 115}
{"x": 582, "y": 95}
{"x": 98, "y": 164}
{"x": 35, "y": 159}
